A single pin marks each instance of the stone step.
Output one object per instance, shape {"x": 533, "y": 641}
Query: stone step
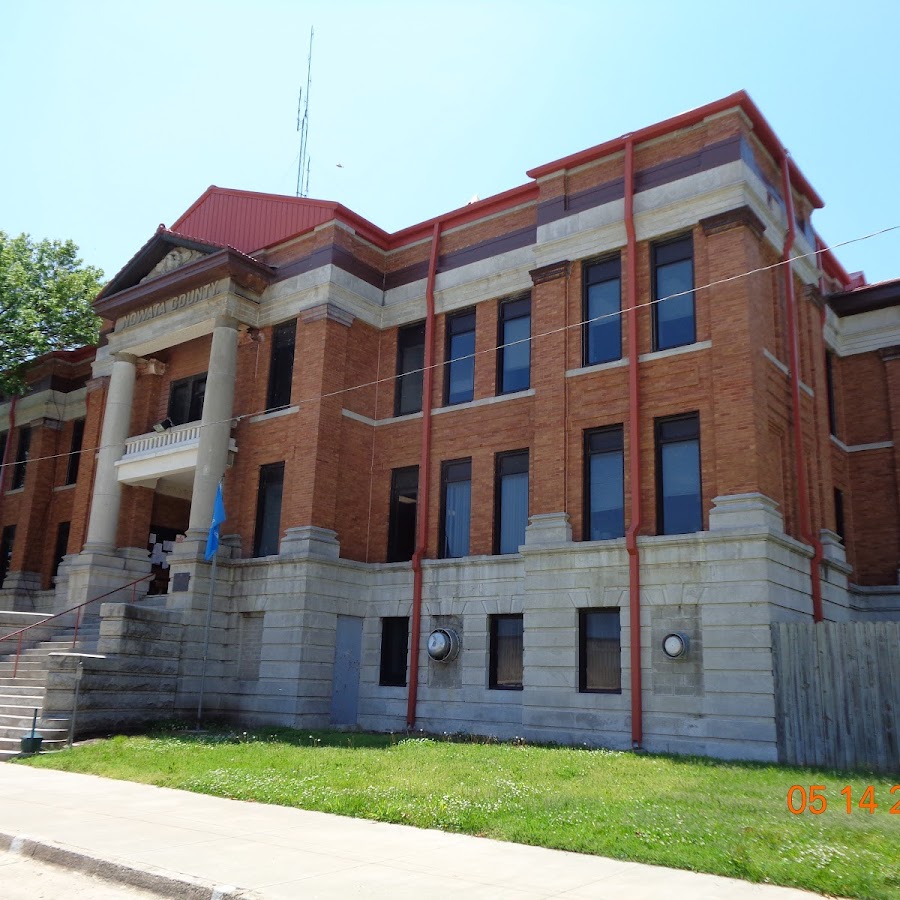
{"x": 19, "y": 690}
{"x": 23, "y": 681}
{"x": 12, "y": 717}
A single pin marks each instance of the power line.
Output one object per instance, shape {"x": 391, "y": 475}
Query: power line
{"x": 493, "y": 349}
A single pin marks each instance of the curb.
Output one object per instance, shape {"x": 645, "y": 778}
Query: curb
{"x": 149, "y": 878}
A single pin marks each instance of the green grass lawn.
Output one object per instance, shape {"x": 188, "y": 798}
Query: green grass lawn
{"x": 699, "y": 814}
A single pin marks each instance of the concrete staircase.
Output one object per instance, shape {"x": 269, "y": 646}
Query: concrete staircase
{"x": 21, "y": 695}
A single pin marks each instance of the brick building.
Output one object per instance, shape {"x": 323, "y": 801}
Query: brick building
{"x": 508, "y": 432}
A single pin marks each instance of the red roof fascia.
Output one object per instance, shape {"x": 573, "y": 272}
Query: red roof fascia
{"x": 830, "y": 264}
{"x": 740, "y": 99}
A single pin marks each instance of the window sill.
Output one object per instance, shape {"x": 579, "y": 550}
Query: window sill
{"x": 485, "y": 401}
{"x": 20, "y": 490}
{"x": 275, "y": 414}
{"x": 377, "y": 423}
{"x": 598, "y": 367}
{"x": 675, "y": 351}
{"x": 64, "y": 487}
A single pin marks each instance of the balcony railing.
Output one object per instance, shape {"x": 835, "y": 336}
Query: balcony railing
{"x": 165, "y": 454}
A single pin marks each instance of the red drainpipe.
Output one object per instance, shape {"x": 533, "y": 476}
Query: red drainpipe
{"x": 634, "y": 454}
{"x": 424, "y": 481}
{"x": 806, "y": 531}
{"x": 6, "y": 451}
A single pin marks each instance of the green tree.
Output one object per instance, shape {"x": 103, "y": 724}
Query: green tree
{"x": 46, "y": 293}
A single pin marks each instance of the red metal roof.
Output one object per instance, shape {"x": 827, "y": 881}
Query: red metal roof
{"x": 249, "y": 221}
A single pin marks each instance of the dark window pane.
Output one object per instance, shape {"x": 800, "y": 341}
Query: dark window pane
{"x": 74, "y": 460}
{"x": 459, "y": 386}
{"x": 268, "y": 510}
{"x": 7, "y": 540}
{"x": 62, "y": 545}
{"x": 678, "y": 475}
{"x": 281, "y": 368}
{"x": 394, "y": 642}
{"x": 839, "y": 526}
{"x": 457, "y": 508}
{"x": 506, "y": 667}
{"x": 512, "y": 501}
{"x": 514, "y": 365}
{"x": 186, "y": 399}
{"x": 22, "y": 453}
{"x": 600, "y": 652}
{"x": 829, "y": 385}
{"x": 673, "y": 314}
{"x": 410, "y": 360}
{"x": 605, "y": 484}
{"x": 603, "y": 305}
{"x": 402, "y": 522}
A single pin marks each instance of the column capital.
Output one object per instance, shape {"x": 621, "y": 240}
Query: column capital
{"x": 125, "y": 358}
{"x": 226, "y": 322}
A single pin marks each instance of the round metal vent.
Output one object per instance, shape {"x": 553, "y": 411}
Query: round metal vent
{"x": 443, "y": 645}
{"x": 675, "y": 645}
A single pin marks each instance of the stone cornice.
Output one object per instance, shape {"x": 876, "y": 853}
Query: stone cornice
{"x": 551, "y": 272}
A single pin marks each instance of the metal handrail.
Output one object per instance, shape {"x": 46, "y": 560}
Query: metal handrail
{"x": 79, "y": 607}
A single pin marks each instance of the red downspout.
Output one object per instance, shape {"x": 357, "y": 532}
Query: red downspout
{"x": 806, "y": 532}
{"x": 634, "y": 454}
{"x": 424, "y": 481}
{"x": 6, "y": 450}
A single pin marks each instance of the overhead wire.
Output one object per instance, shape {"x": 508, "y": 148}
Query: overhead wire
{"x": 493, "y": 349}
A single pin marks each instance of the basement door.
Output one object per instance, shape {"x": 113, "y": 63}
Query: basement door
{"x": 345, "y": 683}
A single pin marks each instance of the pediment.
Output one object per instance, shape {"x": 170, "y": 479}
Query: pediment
{"x": 165, "y": 252}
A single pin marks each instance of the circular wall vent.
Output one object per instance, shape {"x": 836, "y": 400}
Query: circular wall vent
{"x": 443, "y": 645}
{"x": 675, "y": 645}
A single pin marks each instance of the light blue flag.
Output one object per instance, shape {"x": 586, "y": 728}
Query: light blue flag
{"x": 218, "y": 517}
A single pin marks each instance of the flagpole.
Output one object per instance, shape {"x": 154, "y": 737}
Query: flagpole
{"x": 209, "y": 602}
{"x": 212, "y": 547}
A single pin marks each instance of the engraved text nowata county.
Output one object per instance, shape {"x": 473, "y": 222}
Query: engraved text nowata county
{"x": 172, "y": 304}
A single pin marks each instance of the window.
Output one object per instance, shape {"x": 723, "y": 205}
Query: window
{"x": 602, "y": 333}
{"x": 459, "y": 370}
{"x": 186, "y": 399}
{"x": 829, "y": 386}
{"x": 604, "y": 480}
{"x": 7, "y": 539}
{"x": 62, "y": 545}
{"x": 402, "y": 522}
{"x": 281, "y": 367}
{"x": 74, "y": 460}
{"x": 268, "y": 510}
{"x": 410, "y": 360}
{"x": 678, "y": 496}
{"x": 4, "y": 436}
{"x": 511, "y": 501}
{"x": 673, "y": 288}
{"x": 514, "y": 361}
{"x": 456, "y": 507}
{"x": 18, "y": 476}
{"x": 599, "y": 651}
{"x": 506, "y": 653}
{"x": 839, "y": 526}
{"x": 394, "y": 641}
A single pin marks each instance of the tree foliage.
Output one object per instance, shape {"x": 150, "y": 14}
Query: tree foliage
{"x": 46, "y": 293}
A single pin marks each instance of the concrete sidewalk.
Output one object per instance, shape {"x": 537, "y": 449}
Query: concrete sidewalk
{"x": 189, "y": 845}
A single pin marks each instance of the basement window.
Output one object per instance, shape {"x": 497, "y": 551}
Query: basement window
{"x": 394, "y": 649}
{"x": 599, "y": 651}
{"x": 506, "y": 666}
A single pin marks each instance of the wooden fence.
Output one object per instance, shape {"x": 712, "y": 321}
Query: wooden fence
{"x": 837, "y": 694}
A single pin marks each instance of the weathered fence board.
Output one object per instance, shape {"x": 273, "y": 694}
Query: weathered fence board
{"x": 837, "y": 694}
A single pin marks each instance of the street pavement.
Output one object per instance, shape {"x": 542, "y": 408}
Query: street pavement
{"x": 185, "y": 845}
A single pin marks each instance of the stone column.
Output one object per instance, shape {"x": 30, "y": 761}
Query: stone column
{"x": 215, "y": 433}
{"x": 104, "y": 519}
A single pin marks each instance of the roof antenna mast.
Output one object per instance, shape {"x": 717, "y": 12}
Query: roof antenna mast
{"x": 303, "y": 127}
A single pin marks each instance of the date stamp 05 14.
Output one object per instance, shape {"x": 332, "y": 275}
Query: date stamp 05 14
{"x": 813, "y": 800}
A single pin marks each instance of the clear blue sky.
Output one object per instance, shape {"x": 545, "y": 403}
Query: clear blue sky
{"x": 117, "y": 115}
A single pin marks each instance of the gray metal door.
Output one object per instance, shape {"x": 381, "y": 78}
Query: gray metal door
{"x": 345, "y": 684}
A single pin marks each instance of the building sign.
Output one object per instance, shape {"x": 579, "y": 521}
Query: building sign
{"x": 172, "y": 304}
